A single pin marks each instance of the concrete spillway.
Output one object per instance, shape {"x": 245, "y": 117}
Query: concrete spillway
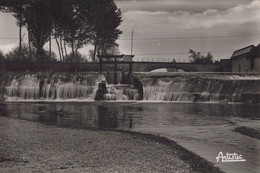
{"x": 183, "y": 87}
{"x": 49, "y": 87}
{"x": 200, "y": 87}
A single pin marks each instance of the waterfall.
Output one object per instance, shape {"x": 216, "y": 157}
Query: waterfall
{"x": 192, "y": 87}
{"x": 49, "y": 87}
{"x": 182, "y": 87}
{"x": 121, "y": 92}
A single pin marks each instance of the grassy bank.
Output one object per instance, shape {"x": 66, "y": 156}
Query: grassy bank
{"x": 27, "y": 147}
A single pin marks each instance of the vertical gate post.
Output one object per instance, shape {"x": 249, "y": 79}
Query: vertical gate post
{"x": 100, "y": 65}
{"x": 115, "y": 75}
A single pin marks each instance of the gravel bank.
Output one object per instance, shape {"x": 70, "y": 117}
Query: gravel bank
{"x": 32, "y": 147}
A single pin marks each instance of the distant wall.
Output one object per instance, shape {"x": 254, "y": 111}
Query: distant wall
{"x": 241, "y": 64}
{"x": 137, "y": 67}
{"x": 226, "y": 65}
{"x": 56, "y": 67}
{"x": 108, "y": 69}
{"x": 257, "y": 65}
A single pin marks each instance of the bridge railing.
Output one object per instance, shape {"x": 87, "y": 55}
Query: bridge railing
{"x": 153, "y": 60}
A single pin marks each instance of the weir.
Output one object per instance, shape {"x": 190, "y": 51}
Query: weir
{"x": 48, "y": 87}
{"x": 200, "y": 87}
{"x": 180, "y": 87}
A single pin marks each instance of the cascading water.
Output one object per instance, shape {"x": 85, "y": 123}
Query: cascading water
{"x": 121, "y": 92}
{"x": 49, "y": 87}
{"x": 199, "y": 87}
{"x": 185, "y": 87}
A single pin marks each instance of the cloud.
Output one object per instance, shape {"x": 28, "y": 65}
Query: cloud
{"x": 145, "y": 14}
{"x": 7, "y": 47}
{"x": 134, "y": 16}
{"x": 198, "y": 30}
{"x": 239, "y": 14}
{"x": 178, "y": 5}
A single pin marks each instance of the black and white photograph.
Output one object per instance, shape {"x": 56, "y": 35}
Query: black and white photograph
{"x": 129, "y": 86}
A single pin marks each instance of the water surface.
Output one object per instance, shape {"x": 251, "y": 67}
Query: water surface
{"x": 205, "y": 129}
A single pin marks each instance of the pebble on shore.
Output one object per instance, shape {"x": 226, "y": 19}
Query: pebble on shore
{"x": 33, "y": 147}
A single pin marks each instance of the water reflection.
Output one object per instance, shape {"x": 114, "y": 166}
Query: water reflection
{"x": 107, "y": 121}
{"x": 51, "y": 119}
{"x": 204, "y": 129}
{"x": 126, "y": 115}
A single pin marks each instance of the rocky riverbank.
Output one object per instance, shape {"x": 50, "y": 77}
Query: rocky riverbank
{"x": 32, "y": 147}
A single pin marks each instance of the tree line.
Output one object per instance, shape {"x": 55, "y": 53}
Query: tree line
{"x": 71, "y": 23}
{"x": 198, "y": 57}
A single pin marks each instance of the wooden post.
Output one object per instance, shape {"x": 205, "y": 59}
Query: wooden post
{"x": 123, "y": 77}
{"x": 130, "y": 72}
{"x": 108, "y": 76}
{"x": 130, "y": 68}
{"x": 115, "y": 75}
{"x": 100, "y": 65}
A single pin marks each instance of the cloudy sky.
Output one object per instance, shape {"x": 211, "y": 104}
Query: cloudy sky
{"x": 167, "y": 29}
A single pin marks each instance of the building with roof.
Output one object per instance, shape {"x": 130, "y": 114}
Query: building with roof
{"x": 246, "y": 60}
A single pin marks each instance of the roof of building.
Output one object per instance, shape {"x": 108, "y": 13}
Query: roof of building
{"x": 244, "y": 51}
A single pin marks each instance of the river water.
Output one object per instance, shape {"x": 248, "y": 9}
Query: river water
{"x": 203, "y": 128}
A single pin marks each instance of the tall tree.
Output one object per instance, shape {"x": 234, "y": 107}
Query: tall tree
{"x": 71, "y": 27}
{"x": 60, "y": 12}
{"x": 72, "y": 23}
{"x": 38, "y": 18}
{"x": 104, "y": 20}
